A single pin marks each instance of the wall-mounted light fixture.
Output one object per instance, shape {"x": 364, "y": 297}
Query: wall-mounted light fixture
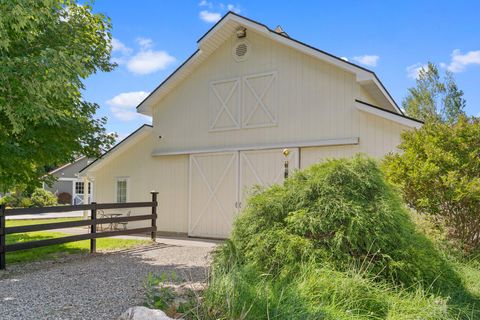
{"x": 286, "y": 152}
{"x": 241, "y": 32}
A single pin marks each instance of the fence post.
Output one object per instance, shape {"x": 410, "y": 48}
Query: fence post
{"x": 2, "y": 237}
{"x": 154, "y": 213}
{"x": 93, "y": 228}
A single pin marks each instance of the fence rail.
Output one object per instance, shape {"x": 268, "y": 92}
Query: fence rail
{"x": 92, "y": 222}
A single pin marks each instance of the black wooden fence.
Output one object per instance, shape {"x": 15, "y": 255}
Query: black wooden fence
{"x": 92, "y": 222}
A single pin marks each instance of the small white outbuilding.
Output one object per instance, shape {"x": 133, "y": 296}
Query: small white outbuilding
{"x": 222, "y": 119}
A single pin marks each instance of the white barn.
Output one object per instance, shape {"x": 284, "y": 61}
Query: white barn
{"x": 222, "y": 119}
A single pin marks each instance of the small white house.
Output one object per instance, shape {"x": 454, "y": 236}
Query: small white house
{"x": 68, "y": 184}
{"x": 222, "y": 119}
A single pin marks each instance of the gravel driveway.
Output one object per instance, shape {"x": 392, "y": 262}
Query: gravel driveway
{"x": 99, "y": 286}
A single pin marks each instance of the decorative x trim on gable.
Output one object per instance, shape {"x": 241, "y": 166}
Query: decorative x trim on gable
{"x": 235, "y": 123}
{"x": 260, "y": 99}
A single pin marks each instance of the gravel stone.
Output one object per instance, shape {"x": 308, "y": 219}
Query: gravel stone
{"x": 94, "y": 286}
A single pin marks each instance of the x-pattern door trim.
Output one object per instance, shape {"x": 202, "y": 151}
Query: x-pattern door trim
{"x": 252, "y": 168}
{"x": 259, "y": 98}
{"x": 212, "y": 191}
{"x": 223, "y": 102}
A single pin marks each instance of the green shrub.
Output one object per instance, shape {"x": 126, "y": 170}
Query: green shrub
{"x": 43, "y": 198}
{"x": 25, "y": 203}
{"x": 9, "y": 200}
{"x": 344, "y": 213}
{"x": 438, "y": 173}
{"x": 157, "y": 295}
{"x": 333, "y": 242}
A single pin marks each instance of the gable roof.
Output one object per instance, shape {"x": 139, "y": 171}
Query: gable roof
{"x": 226, "y": 26}
{"x": 387, "y": 114}
{"x": 122, "y": 145}
{"x": 65, "y": 165}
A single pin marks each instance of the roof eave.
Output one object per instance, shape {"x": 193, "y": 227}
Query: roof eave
{"x": 389, "y": 115}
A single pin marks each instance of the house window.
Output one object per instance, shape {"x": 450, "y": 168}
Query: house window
{"x": 79, "y": 187}
{"x": 122, "y": 188}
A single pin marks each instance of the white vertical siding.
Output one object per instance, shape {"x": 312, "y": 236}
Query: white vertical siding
{"x": 315, "y": 99}
{"x": 168, "y": 175}
{"x": 378, "y": 137}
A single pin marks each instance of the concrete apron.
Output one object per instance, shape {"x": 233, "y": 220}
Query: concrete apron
{"x": 53, "y": 215}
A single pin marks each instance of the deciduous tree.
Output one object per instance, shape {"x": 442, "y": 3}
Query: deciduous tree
{"x": 47, "y": 49}
{"x": 434, "y": 98}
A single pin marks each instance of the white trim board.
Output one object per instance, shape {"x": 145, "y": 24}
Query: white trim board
{"x": 69, "y": 179}
{"x": 297, "y": 144}
{"x": 387, "y": 115}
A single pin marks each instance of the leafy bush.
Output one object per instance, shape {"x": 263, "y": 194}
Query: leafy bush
{"x": 158, "y": 295}
{"x": 333, "y": 242}
{"x": 43, "y": 198}
{"x": 65, "y": 198}
{"x": 341, "y": 212}
{"x": 9, "y": 200}
{"x": 25, "y": 203}
{"x": 438, "y": 173}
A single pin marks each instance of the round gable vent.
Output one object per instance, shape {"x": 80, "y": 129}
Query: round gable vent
{"x": 241, "y": 50}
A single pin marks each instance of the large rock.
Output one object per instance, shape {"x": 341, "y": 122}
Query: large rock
{"x": 143, "y": 313}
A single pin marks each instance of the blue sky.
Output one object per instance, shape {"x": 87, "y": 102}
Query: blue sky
{"x": 153, "y": 37}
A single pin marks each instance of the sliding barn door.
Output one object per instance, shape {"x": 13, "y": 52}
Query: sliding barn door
{"x": 263, "y": 168}
{"x": 213, "y": 194}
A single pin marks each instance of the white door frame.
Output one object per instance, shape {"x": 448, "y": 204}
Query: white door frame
{"x": 85, "y": 188}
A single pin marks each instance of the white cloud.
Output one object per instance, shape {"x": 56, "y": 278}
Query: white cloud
{"x": 145, "y": 43}
{"x": 344, "y": 58}
{"x": 149, "y": 61}
{"x": 118, "y": 46}
{"x": 205, "y": 3}
{"x": 460, "y": 61}
{"x": 123, "y": 105}
{"x": 368, "y": 60}
{"x": 212, "y": 11}
{"x": 145, "y": 60}
{"x": 210, "y": 17}
{"x": 413, "y": 71}
{"x": 234, "y": 8}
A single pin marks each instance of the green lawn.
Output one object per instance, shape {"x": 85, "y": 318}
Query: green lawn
{"x": 56, "y": 251}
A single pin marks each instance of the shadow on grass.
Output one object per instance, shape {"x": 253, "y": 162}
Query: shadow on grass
{"x": 42, "y": 253}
